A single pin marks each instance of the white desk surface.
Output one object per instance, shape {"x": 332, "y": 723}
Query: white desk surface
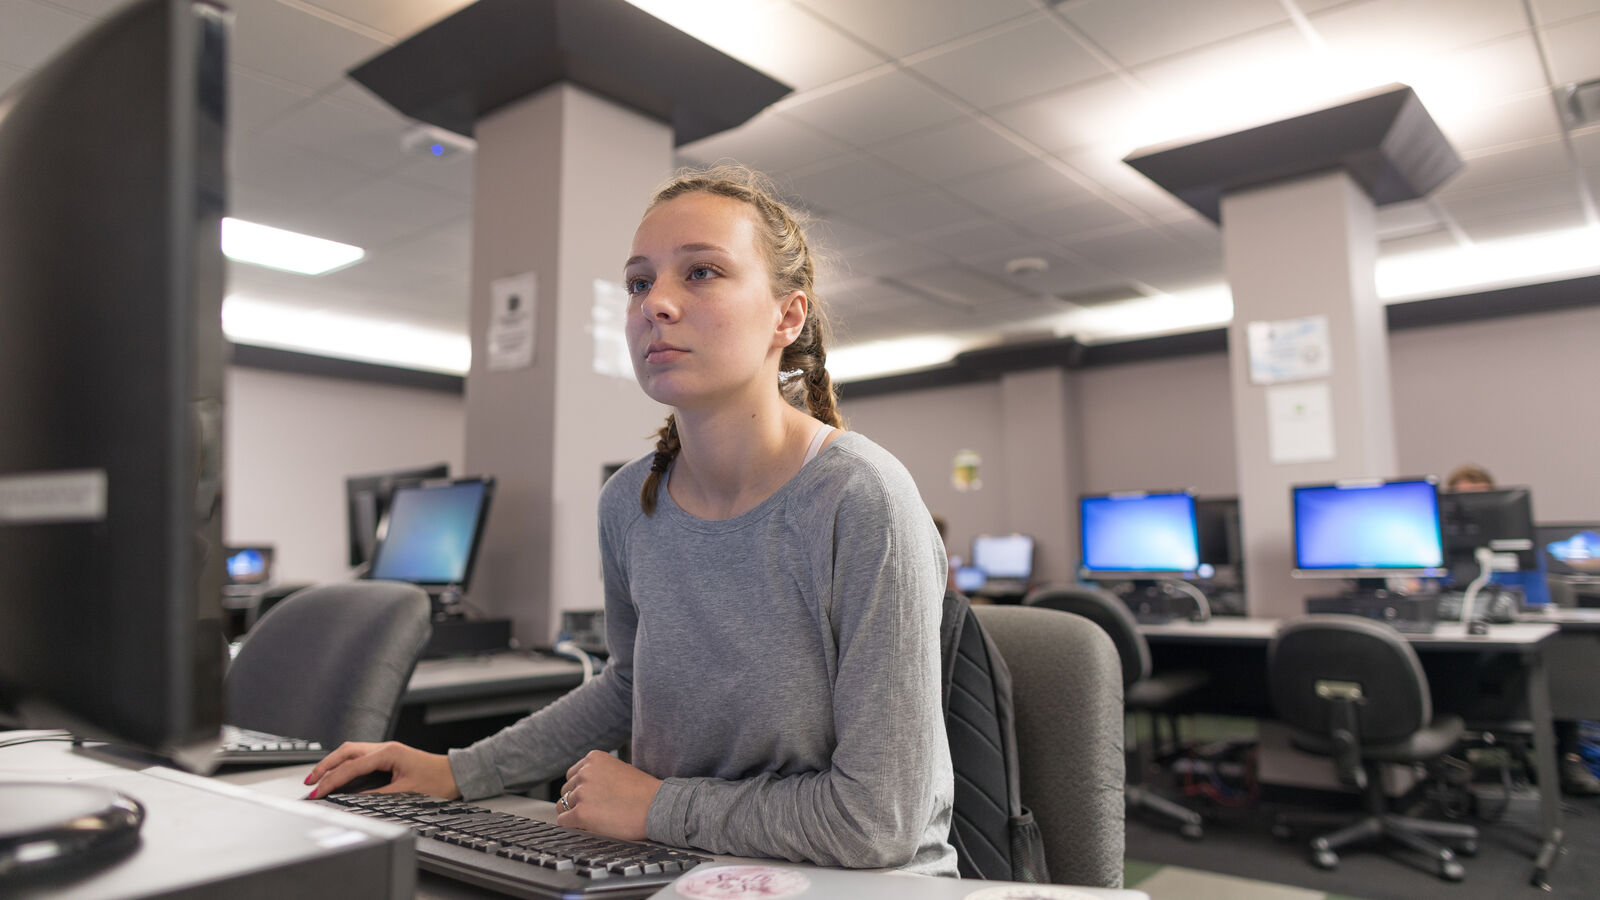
{"x": 1446, "y": 635}
{"x": 509, "y": 671}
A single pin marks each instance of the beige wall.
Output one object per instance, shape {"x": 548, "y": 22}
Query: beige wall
{"x": 292, "y": 439}
{"x": 1163, "y": 424}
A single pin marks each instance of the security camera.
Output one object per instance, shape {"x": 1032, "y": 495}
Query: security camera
{"x": 440, "y": 143}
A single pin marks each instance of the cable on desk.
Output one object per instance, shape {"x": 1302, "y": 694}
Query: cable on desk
{"x": 38, "y": 738}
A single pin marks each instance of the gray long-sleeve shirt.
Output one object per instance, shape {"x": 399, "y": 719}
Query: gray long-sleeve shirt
{"x": 779, "y": 670}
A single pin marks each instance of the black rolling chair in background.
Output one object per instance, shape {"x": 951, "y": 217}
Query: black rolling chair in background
{"x": 1353, "y": 689}
{"x": 1156, "y": 696}
{"x": 330, "y": 663}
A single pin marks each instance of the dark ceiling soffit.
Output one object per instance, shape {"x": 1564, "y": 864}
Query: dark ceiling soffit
{"x": 1386, "y": 141}
{"x": 274, "y": 360}
{"x": 992, "y": 362}
{"x": 495, "y": 52}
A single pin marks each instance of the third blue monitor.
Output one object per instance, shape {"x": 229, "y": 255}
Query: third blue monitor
{"x": 431, "y": 536}
{"x": 1367, "y": 528}
{"x": 1139, "y": 534}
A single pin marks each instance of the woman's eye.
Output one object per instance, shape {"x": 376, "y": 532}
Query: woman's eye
{"x": 701, "y": 273}
{"x": 636, "y": 285}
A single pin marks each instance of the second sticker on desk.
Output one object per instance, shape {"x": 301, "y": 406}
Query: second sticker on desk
{"x": 741, "y": 882}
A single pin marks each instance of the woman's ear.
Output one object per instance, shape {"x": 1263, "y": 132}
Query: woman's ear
{"x": 792, "y": 309}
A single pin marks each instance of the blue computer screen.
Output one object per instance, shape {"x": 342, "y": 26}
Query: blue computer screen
{"x": 1370, "y": 525}
{"x": 1139, "y": 533}
{"x": 1003, "y": 555}
{"x": 430, "y": 534}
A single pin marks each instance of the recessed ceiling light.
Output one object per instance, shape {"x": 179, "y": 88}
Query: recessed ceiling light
{"x": 1024, "y": 266}
{"x": 290, "y": 251}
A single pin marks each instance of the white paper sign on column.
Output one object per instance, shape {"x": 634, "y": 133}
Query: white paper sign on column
{"x": 1289, "y": 349}
{"x": 1300, "y": 423}
{"x": 513, "y": 302}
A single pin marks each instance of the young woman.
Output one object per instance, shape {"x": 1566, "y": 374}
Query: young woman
{"x": 773, "y": 585}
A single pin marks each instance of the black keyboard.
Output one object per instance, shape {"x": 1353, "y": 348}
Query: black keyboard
{"x": 242, "y": 745}
{"x": 1412, "y": 626}
{"x": 520, "y": 856}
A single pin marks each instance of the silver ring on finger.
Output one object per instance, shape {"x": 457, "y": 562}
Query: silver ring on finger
{"x": 565, "y": 803}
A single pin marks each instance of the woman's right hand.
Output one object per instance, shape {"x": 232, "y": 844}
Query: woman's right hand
{"x": 410, "y": 769}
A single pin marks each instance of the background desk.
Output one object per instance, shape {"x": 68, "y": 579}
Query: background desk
{"x": 1499, "y": 678}
{"x": 453, "y": 702}
{"x": 1573, "y": 660}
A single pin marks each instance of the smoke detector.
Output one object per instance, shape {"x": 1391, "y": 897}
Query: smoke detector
{"x": 439, "y": 143}
{"x": 1024, "y": 266}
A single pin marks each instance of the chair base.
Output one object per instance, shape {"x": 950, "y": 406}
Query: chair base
{"x": 1412, "y": 833}
{"x": 1190, "y": 825}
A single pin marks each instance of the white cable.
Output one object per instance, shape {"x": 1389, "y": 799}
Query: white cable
{"x": 572, "y": 651}
{"x": 1200, "y": 600}
{"x": 1485, "y": 558}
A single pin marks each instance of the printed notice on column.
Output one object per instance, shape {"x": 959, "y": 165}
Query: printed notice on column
{"x": 512, "y": 304}
{"x": 1300, "y": 423}
{"x": 1289, "y": 350}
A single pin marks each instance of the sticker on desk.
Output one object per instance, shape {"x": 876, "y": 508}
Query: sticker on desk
{"x": 741, "y": 882}
{"x": 1028, "y": 892}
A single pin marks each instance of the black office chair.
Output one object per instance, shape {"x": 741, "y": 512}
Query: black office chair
{"x": 330, "y": 663}
{"x": 1155, "y": 696}
{"x": 1353, "y": 689}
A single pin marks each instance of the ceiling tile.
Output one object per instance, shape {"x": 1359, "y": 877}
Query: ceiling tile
{"x": 1552, "y": 11}
{"x": 296, "y": 177}
{"x": 1016, "y": 189}
{"x": 1065, "y": 223}
{"x": 769, "y": 143}
{"x": 1527, "y": 118}
{"x": 367, "y": 137}
{"x": 1137, "y": 31}
{"x": 1400, "y": 29}
{"x": 98, "y": 9}
{"x": 960, "y": 284}
{"x": 399, "y": 19}
{"x": 1397, "y": 220}
{"x": 870, "y": 295}
{"x": 885, "y": 260}
{"x": 1489, "y": 168}
{"x": 1424, "y": 242}
{"x": 1587, "y": 145}
{"x": 444, "y": 250}
{"x": 1061, "y": 275}
{"x": 908, "y": 213}
{"x": 950, "y": 151}
{"x": 10, "y": 76}
{"x": 969, "y": 239}
{"x": 838, "y": 234}
{"x": 883, "y": 107}
{"x": 256, "y": 100}
{"x": 902, "y": 27}
{"x": 1508, "y": 199}
{"x": 788, "y": 42}
{"x": 1032, "y": 56}
{"x": 1105, "y": 112}
{"x": 382, "y": 211}
{"x": 1521, "y": 224}
{"x": 1573, "y": 49}
{"x": 839, "y": 184}
{"x": 298, "y": 47}
{"x": 34, "y": 33}
{"x": 451, "y": 174}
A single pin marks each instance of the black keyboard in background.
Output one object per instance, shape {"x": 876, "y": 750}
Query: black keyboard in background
{"x": 521, "y": 856}
{"x": 242, "y": 745}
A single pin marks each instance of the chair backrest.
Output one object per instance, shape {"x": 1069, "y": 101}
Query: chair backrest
{"x": 1334, "y": 650}
{"x": 1102, "y": 607}
{"x": 1066, "y": 689}
{"x": 330, "y": 663}
{"x": 994, "y": 834}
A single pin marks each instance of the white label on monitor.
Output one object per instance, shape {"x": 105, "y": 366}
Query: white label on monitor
{"x": 39, "y": 497}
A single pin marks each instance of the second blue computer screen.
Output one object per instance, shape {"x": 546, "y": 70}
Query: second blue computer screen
{"x": 1380, "y": 526}
{"x": 1139, "y": 533}
{"x": 429, "y": 534}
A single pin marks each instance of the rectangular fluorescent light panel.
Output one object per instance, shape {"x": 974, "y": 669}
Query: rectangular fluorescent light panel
{"x": 290, "y": 251}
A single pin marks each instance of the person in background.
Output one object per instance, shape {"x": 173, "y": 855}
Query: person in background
{"x": 951, "y": 562}
{"x": 1576, "y": 779}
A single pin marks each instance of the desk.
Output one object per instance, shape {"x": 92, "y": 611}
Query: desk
{"x": 1573, "y": 660}
{"x": 453, "y": 702}
{"x": 58, "y": 762}
{"x": 1234, "y": 650}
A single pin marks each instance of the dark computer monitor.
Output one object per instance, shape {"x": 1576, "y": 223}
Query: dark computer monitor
{"x": 1501, "y": 520}
{"x": 1138, "y": 535}
{"x": 1367, "y": 529}
{"x": 1003, "y": 557}
{"x": 248, "y": 566}
{"x": 433, "y": 533}
{"x": 112, "y": 190}
{"x": 1570, "y": 550}
{"x": 1217, "y": 525}
{"x": 366, "y": 501}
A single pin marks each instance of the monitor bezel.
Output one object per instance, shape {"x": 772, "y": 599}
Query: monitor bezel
{"x": 1101, "y": 574}
{"x": 1541, "y": 536}
{"x": 1513, "y": 497}
{"x": 1312, "y": 572}
{"x": 488, "y": 482}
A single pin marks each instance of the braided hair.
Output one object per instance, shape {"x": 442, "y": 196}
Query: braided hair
{"x": 803, "y": 378}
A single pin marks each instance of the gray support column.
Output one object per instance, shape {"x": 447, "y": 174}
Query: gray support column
{"x": 561, "y": 179}
{"x": 1296, "y": 199}
{"x": 1301, "y": 248}
{"x": 1043, "y": 467}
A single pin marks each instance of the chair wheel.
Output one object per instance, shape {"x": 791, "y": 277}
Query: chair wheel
{"x": 1450, "y": 870}
{"x": 1192, "y": 831}
{"x": 1327, "y": 859}
{"x": 1468, "y": 848}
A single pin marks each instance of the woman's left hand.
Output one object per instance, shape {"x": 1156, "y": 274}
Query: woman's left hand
{"x": 607, "y": 796}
